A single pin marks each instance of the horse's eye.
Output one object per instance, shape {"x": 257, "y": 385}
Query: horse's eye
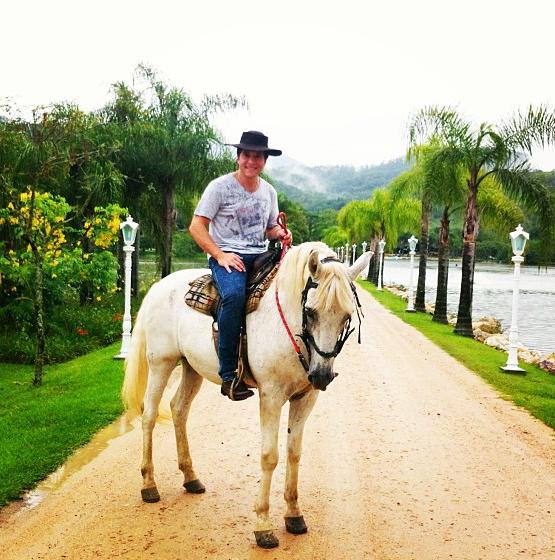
{"x": 310, "y": 313}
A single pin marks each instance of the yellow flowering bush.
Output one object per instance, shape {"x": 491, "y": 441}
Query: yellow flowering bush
{"x": 103, "y": 229}
{"x": 43, "y": 235}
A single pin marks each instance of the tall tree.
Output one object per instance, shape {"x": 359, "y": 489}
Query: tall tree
{"x": 170, "y": 149}
{"x": 434, "y": 187}
{"x": 500, "y": 151}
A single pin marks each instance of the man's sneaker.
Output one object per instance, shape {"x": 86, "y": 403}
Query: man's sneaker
{"x": 236, "y": 390}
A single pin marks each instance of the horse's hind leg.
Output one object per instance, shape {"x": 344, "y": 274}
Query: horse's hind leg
{"x": 298, "y": 413}
{"x": 180, "y": 406}
{"x": 159, "y": 373}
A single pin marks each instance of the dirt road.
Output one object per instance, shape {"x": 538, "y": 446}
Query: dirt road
{"x": 406, "y": 456}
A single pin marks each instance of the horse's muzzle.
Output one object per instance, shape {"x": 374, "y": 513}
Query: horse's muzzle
{"x": 321, "y": 379}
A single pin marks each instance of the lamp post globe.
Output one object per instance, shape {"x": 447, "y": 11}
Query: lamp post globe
{"x": 381, "y": 246}
{"x": 519, "y": 237}
{"x": 129, "y": 233}
{"x": 412, "y": 249}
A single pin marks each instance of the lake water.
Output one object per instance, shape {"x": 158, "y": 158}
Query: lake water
{"x": 493, "y": 289}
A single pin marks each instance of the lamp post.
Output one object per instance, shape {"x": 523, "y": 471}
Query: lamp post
{"x": 364, "y": 244}
{"x": 412, "y": 246}
{"x": 518, "y": 242}
{"x": 381, "y": 246}
{"x": 354, "y": 253}
{"x": 129, "y": 231}
{"x": 346, "y": 260}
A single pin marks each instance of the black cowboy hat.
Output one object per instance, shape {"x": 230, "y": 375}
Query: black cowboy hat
{"x": 255, "y": 141}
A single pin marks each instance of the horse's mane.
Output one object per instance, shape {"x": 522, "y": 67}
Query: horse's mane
{"x": 334, "y": 287}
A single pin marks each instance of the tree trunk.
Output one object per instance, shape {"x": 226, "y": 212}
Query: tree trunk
{"x": 39, "y": 319}
{"x": 470, "y": 231}
{"x": 121, "y": 262}
{"x": 135, "y": 265}
{"x": 372, "y": 266}
{"x": 167, "y": 231}
{"x": 86, "y": 286}
{"x": 420, "y": 299}
{"x": 440, "y": 311}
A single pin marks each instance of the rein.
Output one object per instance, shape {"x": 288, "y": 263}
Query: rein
{"x": 305, "y": 335}
{"x": 282, "y": 222}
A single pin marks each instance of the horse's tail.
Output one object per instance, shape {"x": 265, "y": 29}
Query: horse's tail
{"x": 136, "y": 369}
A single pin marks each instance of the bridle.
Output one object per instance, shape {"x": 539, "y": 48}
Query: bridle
{"x": 306, "y": 336}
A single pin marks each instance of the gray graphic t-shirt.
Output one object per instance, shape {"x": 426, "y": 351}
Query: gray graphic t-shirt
{"x": 238, "y": 219}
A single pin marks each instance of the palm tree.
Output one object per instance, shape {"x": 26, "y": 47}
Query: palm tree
{"x": 433, "y": 186}
{"x": 379, "y": 217}
{"x": 496, "y": 211}
{"x": 500, "y": 151}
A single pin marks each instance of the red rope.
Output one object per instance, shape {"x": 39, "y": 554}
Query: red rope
{"x": 289, "y": 333}
{"x": 282, "y": 222}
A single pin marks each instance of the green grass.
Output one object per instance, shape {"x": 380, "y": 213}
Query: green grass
{"x": 41, "y": 426}
{"x": 534, "y": 391}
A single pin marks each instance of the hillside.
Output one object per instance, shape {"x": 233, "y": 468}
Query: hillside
{"x": 330, "y": 186}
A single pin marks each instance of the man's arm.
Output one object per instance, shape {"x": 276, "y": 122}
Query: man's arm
{"x": 199, "y": 232}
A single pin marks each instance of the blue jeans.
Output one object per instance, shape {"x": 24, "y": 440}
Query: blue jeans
{"x": 232, "y": 287}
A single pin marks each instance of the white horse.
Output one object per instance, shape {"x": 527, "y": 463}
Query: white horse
{"x": 317, "y": 298}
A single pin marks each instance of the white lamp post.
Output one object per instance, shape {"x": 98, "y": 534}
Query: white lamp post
{"x": 364, "y": 244}
{"x": 129, "y": 231}
{"x": 346, "y": 260}
{"x": 518, "y": 241}
{"x": 381, "y": 246}
{"x": 412, "y": 246}
{"x": 354, "y": 253}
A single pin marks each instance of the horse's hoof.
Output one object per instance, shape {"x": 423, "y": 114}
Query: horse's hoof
{"x": 266, "y": 539}
{"x": 150, "y": 495}
{"x": 296, "y": 525}
{"x": 194, "y": 486}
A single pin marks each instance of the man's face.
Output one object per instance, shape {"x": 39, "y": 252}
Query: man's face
{"x": 251, "y": 163}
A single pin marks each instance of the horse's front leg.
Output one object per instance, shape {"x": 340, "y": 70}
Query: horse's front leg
{"x": 298, "y": 413}
{"x": 270, "y": 411}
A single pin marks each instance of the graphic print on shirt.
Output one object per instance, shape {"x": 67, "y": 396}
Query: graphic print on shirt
{"x": 251, "y": 220}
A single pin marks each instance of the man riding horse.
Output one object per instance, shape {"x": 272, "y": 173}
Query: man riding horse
{"x": 235, "y": 214}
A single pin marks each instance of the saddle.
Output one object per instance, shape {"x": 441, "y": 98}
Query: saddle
{"x": 203, "y": 297}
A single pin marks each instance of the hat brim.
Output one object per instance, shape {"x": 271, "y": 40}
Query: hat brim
{"x": 255, "y": 148}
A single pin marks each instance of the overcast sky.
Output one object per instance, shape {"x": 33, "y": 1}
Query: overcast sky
{"x": 328, "y": 82}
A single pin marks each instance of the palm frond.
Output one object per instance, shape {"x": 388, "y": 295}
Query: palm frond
{"x": 444, "y": 123}
{"x": 534, "y": 128}
{"x": 523, "y": 186}
{"x": 496, "y": 209}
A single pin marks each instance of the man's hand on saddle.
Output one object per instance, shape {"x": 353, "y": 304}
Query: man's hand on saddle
{"x": 231, "y": 260}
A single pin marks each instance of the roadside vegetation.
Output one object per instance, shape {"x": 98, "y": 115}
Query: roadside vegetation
{"x": 40, "y": 427}
{"x": 534, "y": 391}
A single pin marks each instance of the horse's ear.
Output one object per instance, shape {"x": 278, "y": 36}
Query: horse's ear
{"x": 359, "y": 265}
{"x": 314, "y": 263}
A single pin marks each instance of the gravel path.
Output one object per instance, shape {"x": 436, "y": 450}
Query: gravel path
{"x": 407, "y": 455}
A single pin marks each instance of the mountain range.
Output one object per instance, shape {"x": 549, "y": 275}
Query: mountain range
{"x": 329, "y": 186}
